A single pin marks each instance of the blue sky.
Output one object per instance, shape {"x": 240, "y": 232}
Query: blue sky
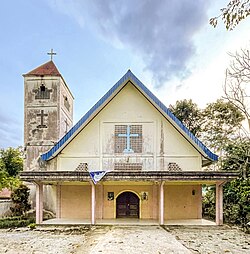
{"x": 168, "y": 45}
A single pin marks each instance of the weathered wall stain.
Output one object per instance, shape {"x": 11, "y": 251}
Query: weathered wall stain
{"x": 45, "y": 117}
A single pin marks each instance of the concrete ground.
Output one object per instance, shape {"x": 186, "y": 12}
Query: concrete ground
{"x": 212, "y": 239}
{"x": 131, "y": 239}
{"x": 124, "y": 239}
{"x": 125, "y": 221}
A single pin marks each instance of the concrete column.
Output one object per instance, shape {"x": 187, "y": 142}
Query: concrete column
{"x": 93, "y": 203}
{"x": 58, "y": 201}
{"x": 39, "y": 203}
{"x": 199, "y": 193}
{"x": 219, "y": 203}
{"x": 155, "y": 206}
{"x": 161, "y": 205}
{"x": 101, "y": 201}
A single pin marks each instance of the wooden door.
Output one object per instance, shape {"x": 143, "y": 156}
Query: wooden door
{"x": 127, "y": 205}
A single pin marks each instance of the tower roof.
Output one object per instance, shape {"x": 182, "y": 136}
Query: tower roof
{"x": 47, "y": 69}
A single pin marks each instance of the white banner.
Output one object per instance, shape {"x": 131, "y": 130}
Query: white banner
{"x": 96, "y": 176}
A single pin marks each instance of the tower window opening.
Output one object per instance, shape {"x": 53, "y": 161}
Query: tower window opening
{"x": 42, "y": 88}
{"x": 43, "y": 92}
{"x": 66, "y": 103}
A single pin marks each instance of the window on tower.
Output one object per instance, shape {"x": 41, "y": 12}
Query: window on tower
{"x": 66, "y": 103}
{"x": 42, "y": 92}
{"x": 42, "y": 88}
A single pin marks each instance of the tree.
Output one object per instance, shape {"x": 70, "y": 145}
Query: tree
{"x": 237, "y": 82}
{"x": 3, "y": 179}
{"x": 219, "y": 128}
{"x": 221, "y": 123}
{"x": 237, "y": 192}
{"x": 232, "y": 14}
{"x": 12, "y": 160}
{"x": 237, "y": 156}
{"x": 216, "y": 125}
{"x": 11, "y": 163}
{"x": 188, "y": 113}
{"x": 7, "y": 181}
{"x": 20, "y": 199}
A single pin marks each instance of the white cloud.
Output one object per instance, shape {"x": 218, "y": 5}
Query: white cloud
{"x": 160, "y": 32}
{"x": 180, "y": 55}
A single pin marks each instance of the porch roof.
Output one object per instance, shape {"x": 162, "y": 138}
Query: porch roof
{"x": 56, "y": 176}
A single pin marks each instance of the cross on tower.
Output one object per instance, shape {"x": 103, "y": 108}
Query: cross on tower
{"x": 42, "y": 115}
{"x": 51, "y": 53}
{"x": 128, "y": 135}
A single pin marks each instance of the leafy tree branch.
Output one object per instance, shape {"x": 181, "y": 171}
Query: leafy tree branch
{"x": 232, "y": 14}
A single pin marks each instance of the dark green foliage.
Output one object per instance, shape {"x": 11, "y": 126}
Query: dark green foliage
{"x": 20, "y": 199}
{"x": 188, "y": 113}
{"x": 12, "y": 222}
{"x": 208, "y": 204}
{"x": 236, "y": 194}
{"x": 221, "y": 123}
{"x": 237, "y": 202}
{"x": 237, "y": 157}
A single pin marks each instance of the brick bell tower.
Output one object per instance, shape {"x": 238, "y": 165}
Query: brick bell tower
{"x": 48, "y": 111}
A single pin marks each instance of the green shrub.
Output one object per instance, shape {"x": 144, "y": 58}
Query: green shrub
{"x": 236, "y": 202}
{"x": 32, "y": 226}
{"x": 20, "y": 199}
{"x": 236, "y": 199}
{"x": 13, "y": 222}
{"x": 208, "y": 204}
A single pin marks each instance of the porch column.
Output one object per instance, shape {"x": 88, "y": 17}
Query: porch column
{"x": 219, "y": 203}
{"x": 39, "y": 202}
{"x": 58, "y": 201}
{"x": 161, "y": 205}
{"x": 101, "y": 201}
{"x": 155, "y": 195}
{"x": 93, "y": 203}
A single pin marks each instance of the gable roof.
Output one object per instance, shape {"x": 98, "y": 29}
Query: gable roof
{"x": 47, "y": 69}
{"x": 208, "y": 156}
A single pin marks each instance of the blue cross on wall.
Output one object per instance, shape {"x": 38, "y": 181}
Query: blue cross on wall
{"x": 128, "y": 135}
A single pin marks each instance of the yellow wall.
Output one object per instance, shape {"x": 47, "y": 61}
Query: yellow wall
{"x": 179, "y": 203}
{"x": 148, "y": 208}
{"x": 162, "y": 143}
{"x": 76, "y": 201}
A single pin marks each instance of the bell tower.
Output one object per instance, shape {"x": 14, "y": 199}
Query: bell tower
{"x": 48, "y": 111}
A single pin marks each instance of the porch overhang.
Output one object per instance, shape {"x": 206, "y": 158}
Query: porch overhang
{"x": 57, "y": 176}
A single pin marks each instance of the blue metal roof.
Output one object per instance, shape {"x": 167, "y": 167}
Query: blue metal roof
{"x": 106, "y": 98}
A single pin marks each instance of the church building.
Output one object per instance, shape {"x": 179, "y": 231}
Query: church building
{"x": 127, "y": 157}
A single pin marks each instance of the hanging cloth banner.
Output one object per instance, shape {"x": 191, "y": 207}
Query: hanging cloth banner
{"x": 96, "y": 176}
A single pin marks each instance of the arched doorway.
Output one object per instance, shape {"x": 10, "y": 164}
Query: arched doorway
{"x": 127, "y": 205}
